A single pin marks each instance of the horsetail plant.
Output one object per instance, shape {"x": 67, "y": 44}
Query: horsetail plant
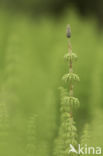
{"x": 67, "y": 130}
{"x": 4, "y": 123}
{"x": 85, "y": 135}
{"x": 31, "y": 136}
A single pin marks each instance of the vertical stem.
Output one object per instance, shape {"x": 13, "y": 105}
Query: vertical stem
{"x": 70, "y": 51}
{"x": 70, "y": 70}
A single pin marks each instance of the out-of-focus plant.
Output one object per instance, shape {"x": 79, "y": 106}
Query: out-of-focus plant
{"x": 31, "y": 136}
{"x": 85, "y": 135}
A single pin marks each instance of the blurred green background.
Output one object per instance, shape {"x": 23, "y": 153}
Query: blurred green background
{"x": 32, "y": 47}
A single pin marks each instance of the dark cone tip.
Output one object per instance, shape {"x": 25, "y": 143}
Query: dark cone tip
{"x": 68, "y": 31}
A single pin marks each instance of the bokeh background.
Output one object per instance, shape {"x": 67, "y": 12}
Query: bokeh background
{"x": 32, "y": 47}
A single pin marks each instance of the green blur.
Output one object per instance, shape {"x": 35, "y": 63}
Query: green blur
{"x": 31, "y": 67}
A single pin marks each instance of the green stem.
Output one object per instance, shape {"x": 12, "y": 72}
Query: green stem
{"x": 70, "y": 71}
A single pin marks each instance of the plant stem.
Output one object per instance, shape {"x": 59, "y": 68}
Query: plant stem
{"x": 70, "y": 70}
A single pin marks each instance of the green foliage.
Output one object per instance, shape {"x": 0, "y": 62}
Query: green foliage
{"x": 31, "y": 136}
{"x": 4, "y": 124}
{"x": 67, "y": 131}
{"x": 69, "y": 57}
{"x": 85, "y": 136}
{"x": 71, "y": 101}
{"x": 31, "y": 65}
{"x": 71, "y": 77}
